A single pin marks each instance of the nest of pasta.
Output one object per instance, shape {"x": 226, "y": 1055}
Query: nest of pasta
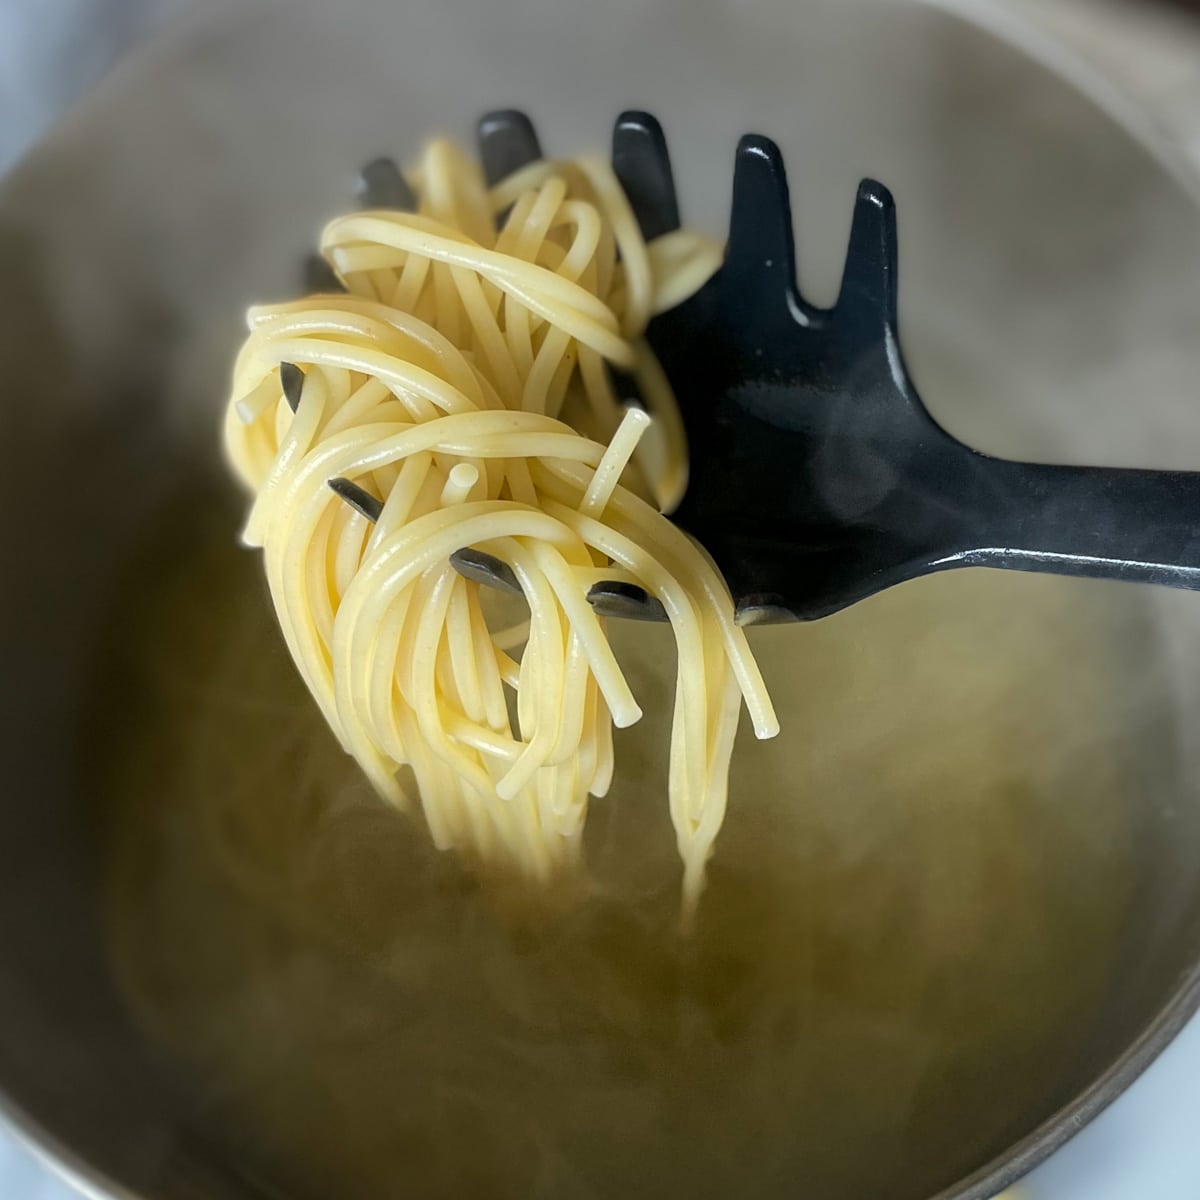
{"x": 460, "y": 389}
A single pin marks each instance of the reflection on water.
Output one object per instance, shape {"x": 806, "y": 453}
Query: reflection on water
{"x": 921, "y": 887}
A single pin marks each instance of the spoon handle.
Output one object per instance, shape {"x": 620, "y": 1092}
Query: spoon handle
{"x": 1099, "y": 522}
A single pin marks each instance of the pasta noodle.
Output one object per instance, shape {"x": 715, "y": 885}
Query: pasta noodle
{"x": 462, "y": 383}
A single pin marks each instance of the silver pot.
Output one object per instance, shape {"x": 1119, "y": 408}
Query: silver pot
{"x": 1049, "y": 296}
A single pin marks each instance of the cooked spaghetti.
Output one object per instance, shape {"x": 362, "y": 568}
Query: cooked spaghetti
{"x": 460, "y": 389}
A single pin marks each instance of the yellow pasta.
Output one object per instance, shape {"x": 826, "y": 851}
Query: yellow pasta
{"x": 462, "y": 383}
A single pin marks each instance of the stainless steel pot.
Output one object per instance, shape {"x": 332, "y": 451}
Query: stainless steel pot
{"x": 1049, "y": 288}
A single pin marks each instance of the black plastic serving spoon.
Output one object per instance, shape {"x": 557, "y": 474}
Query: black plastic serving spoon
{"x": 817, "y": 475}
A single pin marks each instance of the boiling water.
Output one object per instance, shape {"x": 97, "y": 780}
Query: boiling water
{"x": 919, "y": 891}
